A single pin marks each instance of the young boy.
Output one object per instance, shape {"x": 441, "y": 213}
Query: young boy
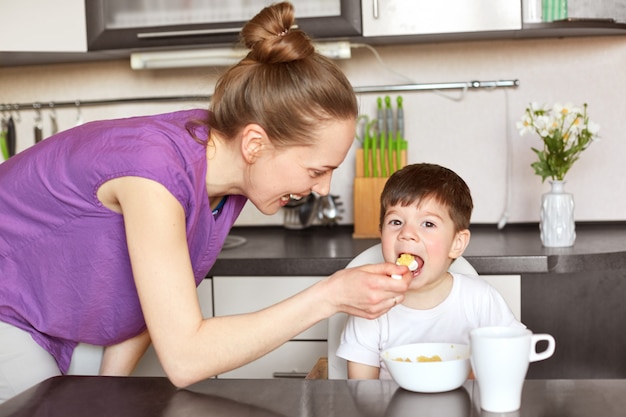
{"x": 425, "y": 213}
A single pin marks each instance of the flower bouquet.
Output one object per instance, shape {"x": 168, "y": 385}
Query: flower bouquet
{"x": 566, "y": 131}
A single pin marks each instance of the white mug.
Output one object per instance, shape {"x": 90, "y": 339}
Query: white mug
{"x": 500, "y": 358}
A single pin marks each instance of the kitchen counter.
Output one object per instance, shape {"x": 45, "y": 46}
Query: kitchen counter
{"x": 576, "y": 294}
{"x": 111, "y": 396}
{"x": 517, "y": 249}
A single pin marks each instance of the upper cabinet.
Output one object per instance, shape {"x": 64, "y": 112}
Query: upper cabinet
{"x": 141, "y": 24}
{"x": 383, "y": 18}
{"x": 43, "y": 26}
{"x": 43, "y": 31}
{"x": 399, "y": 21}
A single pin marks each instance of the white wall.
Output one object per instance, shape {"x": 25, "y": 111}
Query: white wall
{"x": 468, "y": 136}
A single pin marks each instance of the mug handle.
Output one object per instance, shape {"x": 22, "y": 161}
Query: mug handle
{"x": 539, "y": 356}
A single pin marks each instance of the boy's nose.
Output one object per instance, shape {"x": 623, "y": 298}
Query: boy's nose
{"x": 409, "y": 233}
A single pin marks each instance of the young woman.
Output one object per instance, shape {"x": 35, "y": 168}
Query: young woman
{"x": 108, "y": 228}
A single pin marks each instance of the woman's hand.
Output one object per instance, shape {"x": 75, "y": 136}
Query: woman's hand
{"x": 367, "y": 291}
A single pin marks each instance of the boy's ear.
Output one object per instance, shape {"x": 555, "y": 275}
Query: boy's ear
{"x": 253, "y": 141}
{"x": 460, "y": 242}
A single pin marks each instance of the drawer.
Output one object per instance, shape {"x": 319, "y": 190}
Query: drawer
{"x": 292, "y": 360}
{"x": 236, "y": 295}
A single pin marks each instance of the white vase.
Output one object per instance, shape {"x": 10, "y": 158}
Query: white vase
{"x": 557, "y": 225}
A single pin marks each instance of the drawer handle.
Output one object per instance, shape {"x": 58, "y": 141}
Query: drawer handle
{"x": 293, "y": 375}
{"x": 182, "y": 33}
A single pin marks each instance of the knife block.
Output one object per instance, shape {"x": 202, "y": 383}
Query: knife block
{"x": 367, "y": 192}
{"x": 367, "y": 206}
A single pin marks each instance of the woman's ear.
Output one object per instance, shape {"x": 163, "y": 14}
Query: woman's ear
{"x": 253, "y": 141}
{"x": 460, "y": 242}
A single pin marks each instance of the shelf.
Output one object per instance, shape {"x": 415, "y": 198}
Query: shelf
{"x": 559, "y": 29}
{"x": 573, "y": 28}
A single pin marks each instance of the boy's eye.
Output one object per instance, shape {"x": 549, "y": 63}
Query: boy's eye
{"x": 318, "y": 173}
{"x": 428, "y": 224}
{"x": 395, "y": 222}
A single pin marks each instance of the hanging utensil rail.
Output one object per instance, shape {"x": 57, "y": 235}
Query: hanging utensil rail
{"x": 186, "y": 98}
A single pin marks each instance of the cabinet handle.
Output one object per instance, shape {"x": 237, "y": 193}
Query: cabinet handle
{"x": 182, "y": 33}
{"x": 294, "y": 375}
{"x": 375, "y": 9}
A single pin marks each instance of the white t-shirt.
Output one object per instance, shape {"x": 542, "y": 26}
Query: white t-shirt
{"x": 472, "y": 303}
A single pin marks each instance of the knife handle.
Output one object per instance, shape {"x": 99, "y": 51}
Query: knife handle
{"x": 4, "y": 147}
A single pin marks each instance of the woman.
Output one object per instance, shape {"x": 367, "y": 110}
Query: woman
{"x": 108, "y": 227}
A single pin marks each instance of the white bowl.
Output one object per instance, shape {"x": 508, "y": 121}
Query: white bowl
{"x": 448, "y": 374}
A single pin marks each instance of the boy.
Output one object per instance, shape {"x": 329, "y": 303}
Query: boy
{"x": 425, "y": 214}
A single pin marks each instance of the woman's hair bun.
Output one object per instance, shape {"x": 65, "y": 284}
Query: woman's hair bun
{"x": 272, "y": 37}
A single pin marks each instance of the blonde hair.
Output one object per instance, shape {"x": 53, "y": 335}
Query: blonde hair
{"x": 283, "y": 84}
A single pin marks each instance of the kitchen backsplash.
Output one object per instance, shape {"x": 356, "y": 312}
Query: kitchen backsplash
{"x": 474, "y": 135}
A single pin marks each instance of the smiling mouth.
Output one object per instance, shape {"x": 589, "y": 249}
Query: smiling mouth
{"x": 292, "y": 200}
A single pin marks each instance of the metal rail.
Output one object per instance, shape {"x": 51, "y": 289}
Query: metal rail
{"x": 7, "y": 107}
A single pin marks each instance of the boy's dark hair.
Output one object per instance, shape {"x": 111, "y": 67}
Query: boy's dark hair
{"x": 417, "y": 182}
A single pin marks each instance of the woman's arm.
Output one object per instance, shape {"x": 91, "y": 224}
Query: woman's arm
{"x": 192, "y": 348}
{"x": 121, "y": 359}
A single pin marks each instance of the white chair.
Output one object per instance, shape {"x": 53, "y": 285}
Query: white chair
{"x": 337, "y": 367}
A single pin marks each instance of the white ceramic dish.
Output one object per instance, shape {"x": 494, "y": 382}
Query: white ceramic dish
{"x": 448, "y": 374}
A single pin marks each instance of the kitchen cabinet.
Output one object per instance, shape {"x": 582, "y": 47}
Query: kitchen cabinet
{"x": 239, "y": 294}
{"x": 383, "y": 18}
{"x": 584, "y": 311}
{"x": 387, "y": 22}
{"x": 122, "y": 24}
{"x": 149, "y": 364}
{"x": 43, "y": 26}
{"x": 89, "y": 30}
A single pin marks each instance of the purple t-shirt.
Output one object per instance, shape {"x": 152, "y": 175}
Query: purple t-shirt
{"x": 65, "y": 274}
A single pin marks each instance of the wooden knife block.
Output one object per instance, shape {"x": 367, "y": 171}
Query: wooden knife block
{"x": 367, "y": 192}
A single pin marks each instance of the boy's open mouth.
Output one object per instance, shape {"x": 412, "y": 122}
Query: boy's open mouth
{"x": 413, "y": 262}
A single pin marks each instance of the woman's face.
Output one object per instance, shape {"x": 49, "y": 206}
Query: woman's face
{"x": 299, "y": 170}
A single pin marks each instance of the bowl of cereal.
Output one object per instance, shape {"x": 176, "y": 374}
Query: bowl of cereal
{"x": 428, "y": 367}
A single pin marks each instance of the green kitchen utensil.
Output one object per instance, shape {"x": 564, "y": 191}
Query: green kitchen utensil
{"x": 3, "y": 144}
{"x": 380, "y": 146}
{"x": 390, "y": 134}
{"x": 365, "y": 143}
{"x": 400, "y": 133}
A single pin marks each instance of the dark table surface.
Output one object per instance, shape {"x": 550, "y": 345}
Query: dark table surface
{"x": 516, "y": 249}
{"x": 120, "y": 397}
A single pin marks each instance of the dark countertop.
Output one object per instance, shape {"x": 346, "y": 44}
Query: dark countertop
{"x": 73, "y": 396}
{"x": 516, "y": 249}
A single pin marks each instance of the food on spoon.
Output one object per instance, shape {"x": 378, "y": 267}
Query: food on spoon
{"x": 407, "y": 260}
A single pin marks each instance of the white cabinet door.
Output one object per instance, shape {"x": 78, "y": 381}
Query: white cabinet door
{"x": 292, "y": 360}
{"x": 43, "y": 26}
{"x": 236, "y": 295}
{"x": 416, "y": 17}
{"x": 149, "y": 364}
